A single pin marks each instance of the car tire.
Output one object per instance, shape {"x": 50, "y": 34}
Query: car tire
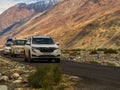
{"x": 49, "y": 60}
{"x": 15, "y": 55}
{"x": 11, "y": 55}
{"x": 29, "y": 58}
{"x": 58, "y": 60}
{"x": 25, "y": 57}
{"x": 4, "y": 54}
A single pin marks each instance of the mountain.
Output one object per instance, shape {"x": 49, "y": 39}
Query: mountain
{"x": 41, "y": 6}
{"x": 76, "y": 24}
{"x": 22, "y": 12}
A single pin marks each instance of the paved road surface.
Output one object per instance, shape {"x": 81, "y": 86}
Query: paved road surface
{"x": 104, "y": 74}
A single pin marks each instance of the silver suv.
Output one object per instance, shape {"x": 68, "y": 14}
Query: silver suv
{"x": 42, "y": 48}
{"x": 7, "y": 48}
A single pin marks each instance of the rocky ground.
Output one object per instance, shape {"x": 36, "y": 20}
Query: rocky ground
{"x": 99, "y": 58}
{"x": 14, "y": 76}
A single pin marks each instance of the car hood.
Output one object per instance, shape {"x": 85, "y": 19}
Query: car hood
{"x": 45, "y": 45}
{"x": 7, "y": 47}
{"x": 19, "y": 46}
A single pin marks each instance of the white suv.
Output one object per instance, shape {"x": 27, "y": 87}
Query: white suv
{"x": 40, "y": 48}
{"x": 17, "y": 47}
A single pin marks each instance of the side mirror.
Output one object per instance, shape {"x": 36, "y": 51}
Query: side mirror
{"x": 28, "y": 43}
{"x": 58, "y": 43}
{"x": 12, "y": 44}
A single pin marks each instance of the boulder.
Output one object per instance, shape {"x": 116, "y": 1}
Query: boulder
{"x": 3, "y": 87}
{"x": 15, "y": 75}
{"x": 17, "y": 81}
{"x": 4, "y": 78}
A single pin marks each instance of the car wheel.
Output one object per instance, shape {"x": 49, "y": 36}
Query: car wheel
{"x": 11, "y": 55}
{"x": 14, "y": 55}
{"x": 4, "y": 53}
{"x": 25, "y": 57}
{"x": 58, "y": 60}
{"x": 49, "y": 60}
{"x": 29, "y": 58}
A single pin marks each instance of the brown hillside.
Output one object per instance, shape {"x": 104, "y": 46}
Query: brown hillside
{"x": 78, "y": 24}
{"x": 13, "y": 15}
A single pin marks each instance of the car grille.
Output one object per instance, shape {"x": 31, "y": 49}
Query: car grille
{"x": 47, "y": 56}
{"x": 46, "y": 49}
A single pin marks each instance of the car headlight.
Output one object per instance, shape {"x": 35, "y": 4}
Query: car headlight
{"x": 34, "y": 48}
{"x": 57, "y": 50}
{"x": 16, "y": 48}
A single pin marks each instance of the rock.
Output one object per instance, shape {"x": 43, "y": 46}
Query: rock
{"x": 74, "y": 59}
{"x": 66, "y": 75}
{"x": 117, "y": 64}
{"x": 3, "y": 87}
{"x": 4, "y": 78}
{"x": 20, "y": 78}
{"x": 78, "y": 57}
{"x": 25, "y": 75}
{"x": 15, "y": 76}
{"x": 74, "y": 78}
{"x": 0, "y": 75}
{"x": 17, "y": 81}
{"x": 25, "y": 89}
{"x": 19, "y": 89}
{"x": 25, "y": 80}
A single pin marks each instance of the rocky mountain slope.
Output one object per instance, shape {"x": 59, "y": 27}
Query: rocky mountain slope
{"x": 77, "y": 24}
{"x": 22, "y": 12}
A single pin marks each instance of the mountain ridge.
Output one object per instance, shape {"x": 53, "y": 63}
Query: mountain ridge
{"x": 77, "y": 24}
{"x": 22, "y": 11}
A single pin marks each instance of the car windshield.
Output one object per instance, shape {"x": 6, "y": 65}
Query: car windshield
{"x": 9, "y": 40}
{"x": 8, "y": 45}
{"x": 42, "y": 41}
{"x": 19, "y": 42}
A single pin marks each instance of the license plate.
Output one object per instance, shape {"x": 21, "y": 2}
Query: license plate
{"x": 47, "y": 54}
{"x": 21, "y": 51}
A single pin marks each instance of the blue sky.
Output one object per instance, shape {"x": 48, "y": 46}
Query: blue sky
{"x": 5, "y": 4}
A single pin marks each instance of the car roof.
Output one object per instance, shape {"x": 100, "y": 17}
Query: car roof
{"x": 7, "y": 43}
{"x": 40, "y": 36}
{"x": 20, "y": 39}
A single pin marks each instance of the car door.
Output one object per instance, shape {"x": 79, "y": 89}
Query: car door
{"x": 12, "y": 47}
{"x": 27, "y": 47}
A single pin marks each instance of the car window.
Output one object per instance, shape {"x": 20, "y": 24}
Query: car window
{"x": 28, "y": 41}
{"x": 8, "y": 45}
{"x": 19, "y": 42}
{"x": 9, "y": 40}
{"x": 42, "y": 41}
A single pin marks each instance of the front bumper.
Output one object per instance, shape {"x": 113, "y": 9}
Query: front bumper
{"x": 46, "y": 55}
{"x": 19, "y": 52}
{"x": 7, "y": 51}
